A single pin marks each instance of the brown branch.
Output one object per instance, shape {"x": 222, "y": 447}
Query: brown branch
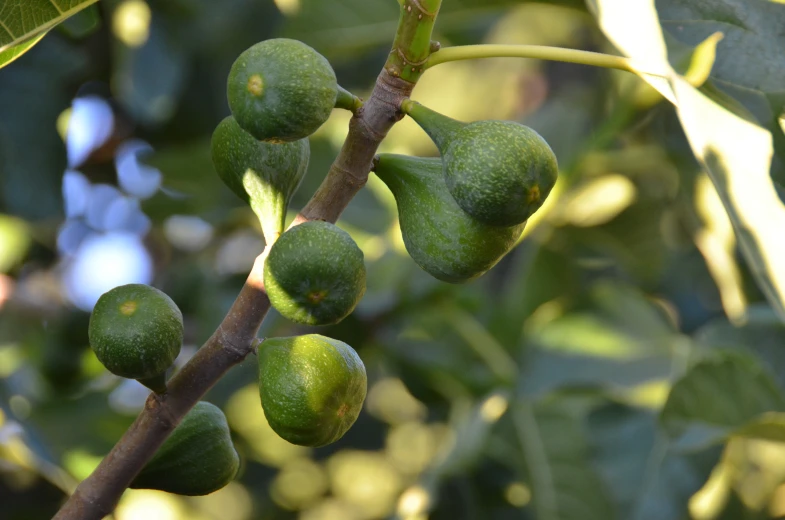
{"x": 235, "y": 337}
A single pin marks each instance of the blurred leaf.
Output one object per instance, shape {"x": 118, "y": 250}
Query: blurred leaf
{"x": 148, "y": 79}
{"x": 647, "y": 480}
{"x": 563, "y": 483}
{"x": 33, "y": 93}
{"x": 736, "y": 153}
{"x": 720, "y": 396}
{"x": 471, "y": 423}
{"x": 342, "y": 28}
{"x": 23, "y": 24}
{"x": 14, "y": 242}
{"x": 762, "y": 334}
{"x": 83, "y": 23}
{"x": 547, "y": 371}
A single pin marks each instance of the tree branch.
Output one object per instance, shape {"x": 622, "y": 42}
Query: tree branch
{"x": 235, "y": 337}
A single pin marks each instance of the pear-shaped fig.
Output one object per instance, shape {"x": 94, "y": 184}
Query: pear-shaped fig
{"x": 265, "y": 175}
{"x": 315, "y": 274}
{"x": 440, "y": 237}
{"x": 197, "y": 458}
{"x": 281, "y": 90}
{"x": 499, "y": 172}
{"x": 312, "y": 388}
{"x": 136, "y": 332}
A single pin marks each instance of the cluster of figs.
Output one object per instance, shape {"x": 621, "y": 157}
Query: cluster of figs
{"x": 459, "y": 215}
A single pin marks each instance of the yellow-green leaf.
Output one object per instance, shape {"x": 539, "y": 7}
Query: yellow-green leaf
{"x": 24, "y": 22}
{"x": 736, "y": 153}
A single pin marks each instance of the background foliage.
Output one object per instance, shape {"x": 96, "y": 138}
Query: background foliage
{"x": 622, "y": 362}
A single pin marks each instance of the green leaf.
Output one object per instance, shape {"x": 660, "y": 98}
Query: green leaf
{"x": 719, "y": 397}
{"x": 13, "y": 52}
{"x": 564, "y": 484}
{"x": 646, "y": 478}
{"x": 736, "y": 153}
{"x": 750, "y": 54}
{"x": 762, "y": 334}
{"x": 24, "y": 22}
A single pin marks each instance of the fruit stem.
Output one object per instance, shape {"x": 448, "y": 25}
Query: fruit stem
{"x": 155, "y": 383}
{"x": 439, "y": 127}
{"x": 412, "y": 45}
{"x": 348, "y": 101}
{"x": 596, "y": 59}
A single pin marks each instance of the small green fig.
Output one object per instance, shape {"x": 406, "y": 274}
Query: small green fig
{"x": 315, "y": 274}
{"x": 197, "y": 458}
{"x": 312, "y": 388}
{"x": 440, "y": 237}
{"x": 281, "y": 90}
{"x": 136, "y": 332}
{"x": 265, "y": 175}
{"x": 499, "y": 172}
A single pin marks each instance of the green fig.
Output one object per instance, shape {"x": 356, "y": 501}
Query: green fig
{"x": 312, "y": 388}
{"x": 440, "y": 237}
{"x": 281, "y": 90}
{"x": 499, "y": 172}
{"x": 315, "y": 274}
{"x": 197, "y": 458}
{"x": 265, "y": 175}
{"x": 136, "y": 332}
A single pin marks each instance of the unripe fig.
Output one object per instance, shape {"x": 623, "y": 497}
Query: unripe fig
{"x": 315, "y": 274}
{"x": 440, "y": 237}
{"x": 499, "y": 172}
{"x": 281, "y": 90}
{"x": 312, "y": 388}
{"x": 265, "y": 175}
{"x": 136, "y": 332}
{"x": 197, "y": 458}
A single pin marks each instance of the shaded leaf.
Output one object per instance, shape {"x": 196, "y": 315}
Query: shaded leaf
{"x": 646, "y": 479}
{"x": 563, "y": 483}
{"x": 718, "y": 397}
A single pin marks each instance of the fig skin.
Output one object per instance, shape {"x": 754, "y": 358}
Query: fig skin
{"x": 312, "y": 388}
{"x": 315, "y": 274}
{"x": 198, "y": 458}
{"x": 264, "y": 175}
{"x": 281, "y": 90}
{"x": 440, "y": 237}
{"x": 136, "y": 331}
{"x": 499, "y": 172}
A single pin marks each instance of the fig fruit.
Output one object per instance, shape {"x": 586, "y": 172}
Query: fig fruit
{"x": 499, "y": 172}
{"x": 440, "y": 237}
{"x": 315, "y": 274}
{"x": 197, "y": 458}
{"x": 312, "y": 388}
{"x": 265, "y": 175}
{"x": 136, "y": 332}
{"x": 281, "y": 90}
